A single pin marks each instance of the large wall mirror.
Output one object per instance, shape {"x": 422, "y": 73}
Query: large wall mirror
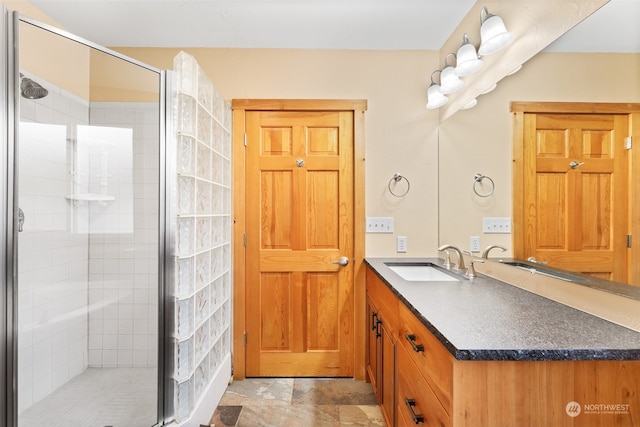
{"x": 479, "y": 141}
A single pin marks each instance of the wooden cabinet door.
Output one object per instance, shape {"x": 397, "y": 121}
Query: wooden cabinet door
{"x": 299, "y": 210}
{"x": 387, "y": 375}
{"x": 373, "y": 348}
{"x": 576, "y": 192}
{"x": 382, "y": 344}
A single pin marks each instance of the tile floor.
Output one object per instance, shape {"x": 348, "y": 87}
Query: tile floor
{"x": 295, "y": 402}
{"x": 120, "y": 397}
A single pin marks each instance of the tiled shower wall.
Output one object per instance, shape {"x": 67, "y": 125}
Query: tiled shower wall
{"x": 123, "y": 242}
{"x": 87, "y": 270}
{"x": 52, "y": 258}
{"x": 203, "y": 262}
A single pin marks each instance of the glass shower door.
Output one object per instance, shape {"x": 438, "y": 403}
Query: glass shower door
{"x": 88, "y": 191}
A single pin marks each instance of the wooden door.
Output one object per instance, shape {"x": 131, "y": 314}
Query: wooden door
{"x": 575, "y": 192}
{"x": 299, "y": 223}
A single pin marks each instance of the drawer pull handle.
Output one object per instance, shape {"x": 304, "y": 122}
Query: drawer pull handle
{"x": 374, "y": 315}
{"x": 412, "y": 340}
{"x": 378, "y": 323}
{"x": 417, "y": 418}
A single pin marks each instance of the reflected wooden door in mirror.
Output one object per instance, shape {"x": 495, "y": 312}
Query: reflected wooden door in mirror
{"x": 571, "y": 190}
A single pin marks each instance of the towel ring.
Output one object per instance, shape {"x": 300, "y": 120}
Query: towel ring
{"x": 478, "y": 178}
{"x": 395, "y": 179}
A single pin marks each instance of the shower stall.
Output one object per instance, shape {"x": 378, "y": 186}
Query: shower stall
{"x": 117, "y": 257}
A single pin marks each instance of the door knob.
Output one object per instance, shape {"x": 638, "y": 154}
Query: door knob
{"x": 342, "y": 261}
{"x": 574, "y": 164}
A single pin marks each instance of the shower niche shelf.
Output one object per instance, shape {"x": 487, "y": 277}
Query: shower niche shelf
{"x": 89, "y": 197}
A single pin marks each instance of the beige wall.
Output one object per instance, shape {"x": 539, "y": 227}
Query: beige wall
{"x": 401, "y": 134}
{"x": 77, "y": 68}
{"x": 41, "y": 53}
{"x": 480, "y": 140}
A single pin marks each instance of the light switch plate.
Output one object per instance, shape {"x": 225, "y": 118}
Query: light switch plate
{"x": 379, "y": 224}
{"x": 492, "y": 225}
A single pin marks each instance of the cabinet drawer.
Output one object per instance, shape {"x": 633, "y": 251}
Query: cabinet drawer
{"x": 431, "y": 358}
{"x": 413, "y": 386}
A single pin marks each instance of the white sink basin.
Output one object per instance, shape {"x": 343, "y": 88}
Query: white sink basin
{"x": 421, "y": 273}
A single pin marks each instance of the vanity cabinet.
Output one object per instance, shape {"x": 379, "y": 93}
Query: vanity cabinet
{"x": 382, "y": 324}
{"x": 417, "y": 403}
{"x": 409, "y": 370}
{"x": 418, "y": 381}
{"x": 425, "y": 374}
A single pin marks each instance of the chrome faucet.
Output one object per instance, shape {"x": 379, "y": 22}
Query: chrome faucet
{"x": 447, "y": 259}
{"x": 460, "y": 258}
{"x": 485, "y": 253}
{"x": 471, "y": 272}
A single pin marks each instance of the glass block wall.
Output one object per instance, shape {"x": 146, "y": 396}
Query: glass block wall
{"x": 203, "y": 224}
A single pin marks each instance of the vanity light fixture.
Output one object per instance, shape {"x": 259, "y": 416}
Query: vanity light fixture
{"x": 467, "y": 59}
{"x": 493, "y": 37}
{"x": 493, "y": 33}
{"x": 435, "y": 97}
{"x": 449, "y": 80}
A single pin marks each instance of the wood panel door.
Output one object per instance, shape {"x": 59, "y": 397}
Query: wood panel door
{"x": 575, "y": 192}
{"x": 299, "y": 223}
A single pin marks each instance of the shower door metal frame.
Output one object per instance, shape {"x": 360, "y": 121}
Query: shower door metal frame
{"x": 10, "y": 110}
{"x": 8, "y": 302}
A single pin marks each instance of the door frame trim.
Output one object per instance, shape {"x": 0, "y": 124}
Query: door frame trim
{"x": 518, "y": 109}
{"x": 239, "y": 108}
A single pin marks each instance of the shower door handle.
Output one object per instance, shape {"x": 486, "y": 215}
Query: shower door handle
{"x": 20, "y": 220}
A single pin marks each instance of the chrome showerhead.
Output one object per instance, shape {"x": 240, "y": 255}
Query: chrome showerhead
{"x": 31, "y": 90}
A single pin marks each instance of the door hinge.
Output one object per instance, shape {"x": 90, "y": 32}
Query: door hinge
{"x": 244, "y": 339}
{"x": 628, "y": 240}
{"x": 244, "y": 239}
{"x": 245, "y": 139}
{"x": 628, "y": 142}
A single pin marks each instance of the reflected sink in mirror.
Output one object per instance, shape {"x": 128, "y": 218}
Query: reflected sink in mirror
{"x": 534, "y": 269}
{"x": 420, "y": 272}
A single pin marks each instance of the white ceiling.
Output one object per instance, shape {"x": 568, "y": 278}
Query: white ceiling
{"x": 311, "y": 24}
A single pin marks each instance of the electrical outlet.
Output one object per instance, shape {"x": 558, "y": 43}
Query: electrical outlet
{"x": 474, "y": 243}
{"x": 380, "y": 224}
{"x": 401, "y": 244}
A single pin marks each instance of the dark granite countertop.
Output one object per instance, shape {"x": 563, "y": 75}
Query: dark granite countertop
{"x": 486, "y": 319}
